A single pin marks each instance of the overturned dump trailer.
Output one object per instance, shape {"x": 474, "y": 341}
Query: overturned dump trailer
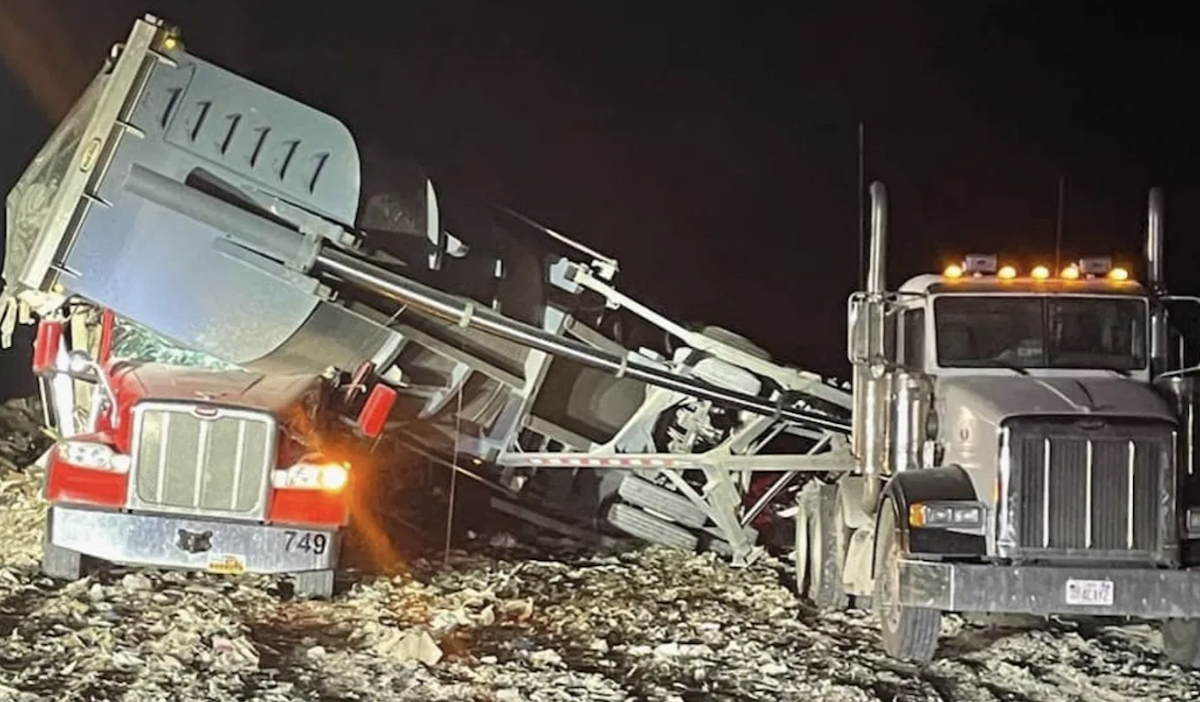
{"x": 236, "y": 221}
{"x": 1014, "y": 441}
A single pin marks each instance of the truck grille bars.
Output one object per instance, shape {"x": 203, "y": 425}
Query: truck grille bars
{"x": 201, "y": 460}
{"x": 1086, "y": 489}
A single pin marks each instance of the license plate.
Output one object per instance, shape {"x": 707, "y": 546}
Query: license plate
{"x": 1090, "y": 592}
{"x": 311, "y": 542}
{"x": 227, "y": 563}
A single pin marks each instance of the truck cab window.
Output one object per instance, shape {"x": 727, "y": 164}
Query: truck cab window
{"x": 984, "y": 331}
{"x": 913, "y": 338}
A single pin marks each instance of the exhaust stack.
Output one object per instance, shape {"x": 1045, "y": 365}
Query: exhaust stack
{"x": 870, "y": 419}
{"x": 1154, "y": 241}
{"x": 1155, "y": 280}
{"x": 877, "y": 267}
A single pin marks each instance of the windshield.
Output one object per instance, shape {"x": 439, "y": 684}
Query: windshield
{"x": 997, "y": 331}
{"x": 133, "y": 342}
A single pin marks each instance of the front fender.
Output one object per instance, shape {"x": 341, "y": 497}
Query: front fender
{"x": 928, "y": 485}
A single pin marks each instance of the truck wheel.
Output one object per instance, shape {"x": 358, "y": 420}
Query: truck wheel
{"x": 317, "y": 584}
{"x": 825, "y": 569}
{"x": 62, "y": 563}
{"x": 1181, "y": 641}
{"x": 909, "y": 633}
{"x": 802, "y": 538}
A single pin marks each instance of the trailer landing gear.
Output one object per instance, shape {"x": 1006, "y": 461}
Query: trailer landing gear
{"x": 909, "y": 633}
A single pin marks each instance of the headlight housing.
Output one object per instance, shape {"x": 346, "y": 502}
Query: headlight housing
{"x": 1192, "y": 525}
{"x": 93, "y": 455}
{"x": 947, "y": 515}
{"x": 305, "y": 475}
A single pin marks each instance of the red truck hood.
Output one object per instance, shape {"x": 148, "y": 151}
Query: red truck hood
{"x": 155, "y": 381}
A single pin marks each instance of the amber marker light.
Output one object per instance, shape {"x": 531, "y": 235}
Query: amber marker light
{"x": 1039, "y": 273}
{"x": 1007, "y": 273}
{"x": 1118, "y": 274}
{"x": 1070, "y": 273}
{"x": 953, "y": 271}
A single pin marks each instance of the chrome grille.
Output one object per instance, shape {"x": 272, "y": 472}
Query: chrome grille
{"x": 1087, "y": 488}
{"x": 215, "y": 464}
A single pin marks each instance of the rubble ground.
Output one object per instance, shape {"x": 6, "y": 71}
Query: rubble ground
{"x": 488, "y": 625}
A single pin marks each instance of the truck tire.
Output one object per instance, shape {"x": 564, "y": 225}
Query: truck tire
{"x": 806, "y": 505}
{"x": 909, "y": 633}
{"x": 317, "y": 584}
{"x": 663, "y": 501}
{"x": 825, "y": 566}
{"x": 1181, "y": 641}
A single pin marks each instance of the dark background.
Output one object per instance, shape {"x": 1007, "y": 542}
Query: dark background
{"x": 713, "y": 147}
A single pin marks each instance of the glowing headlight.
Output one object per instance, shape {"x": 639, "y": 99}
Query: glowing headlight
{"x": 87, "y": 454}
{"x": 313, "y": 476}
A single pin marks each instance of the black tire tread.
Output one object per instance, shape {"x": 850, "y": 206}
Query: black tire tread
{"x": 916, "y": 636}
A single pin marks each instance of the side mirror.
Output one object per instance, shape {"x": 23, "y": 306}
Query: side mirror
{"x": 80, "y": 364}
{"x": 375, "y": 411}
{"x": 81, "y": 367}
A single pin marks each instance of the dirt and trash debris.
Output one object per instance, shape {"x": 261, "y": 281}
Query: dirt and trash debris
{"x": 648, "y": 624}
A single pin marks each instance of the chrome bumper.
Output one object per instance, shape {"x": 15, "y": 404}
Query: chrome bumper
{"x": 1146, "y": 593}
{"x": 196, "y": 544}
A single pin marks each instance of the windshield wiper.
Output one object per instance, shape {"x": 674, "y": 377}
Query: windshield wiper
{"x": 1011, "y": 365}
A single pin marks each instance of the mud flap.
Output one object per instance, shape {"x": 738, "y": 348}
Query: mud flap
{"x": 859, "y": 547}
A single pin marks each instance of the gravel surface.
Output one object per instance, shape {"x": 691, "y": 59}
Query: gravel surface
{"x": 503, "y": 623}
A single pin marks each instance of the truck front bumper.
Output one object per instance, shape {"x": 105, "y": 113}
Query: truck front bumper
{"x": 1146, "y": 593}
{"x": 169, "y": 541}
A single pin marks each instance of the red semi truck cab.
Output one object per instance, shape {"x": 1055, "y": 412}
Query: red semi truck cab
{"x": 181, "y": 467}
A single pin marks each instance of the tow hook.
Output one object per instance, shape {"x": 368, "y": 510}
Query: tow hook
{"x": 194, "y": 542}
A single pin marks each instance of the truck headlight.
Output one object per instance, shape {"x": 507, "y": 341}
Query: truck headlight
{"x": 313, "y": 476}
{"x": 947, "y": 515}
{"x": 89, "y": 454}
{"x": 1193, "y": 523}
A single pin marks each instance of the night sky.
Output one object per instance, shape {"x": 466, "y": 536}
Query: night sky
{"x": 712, "y": 147}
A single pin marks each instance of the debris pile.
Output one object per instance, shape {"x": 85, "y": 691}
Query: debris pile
{"x": 650, "y": 624}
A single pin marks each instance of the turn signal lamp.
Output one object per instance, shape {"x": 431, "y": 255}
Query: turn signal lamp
{"x": 1118, "y": 274}
{"x": 313, "y": 476}
{"x": 1039, "y": 273}
{"x": 1070, "y": 273}
{"x": 1007, "y": 273}
{"x": 953, "y": 271}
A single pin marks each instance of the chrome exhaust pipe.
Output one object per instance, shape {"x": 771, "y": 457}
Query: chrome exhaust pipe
{"x": 872, "y": 424}
{"x": 1155, "y": 280}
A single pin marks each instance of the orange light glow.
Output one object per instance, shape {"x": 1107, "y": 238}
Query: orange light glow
{"x": 1040, "y": 273}
{"x": 1007, "y": 273}
{"x": 953, "y": 271}
{"x": 1070, "y": 273}
{"x": 1118, "y": 274}
{"x": 334, "y": 476}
